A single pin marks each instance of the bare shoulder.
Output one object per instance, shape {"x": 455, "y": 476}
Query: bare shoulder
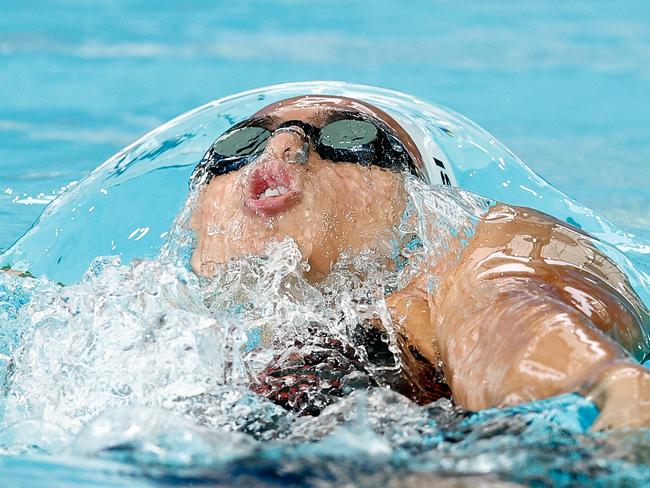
{"x": 545, "y": 244}
{"x": 537, "y": 249}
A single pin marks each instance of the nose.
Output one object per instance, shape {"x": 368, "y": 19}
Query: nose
{"x": 288, "y": 144}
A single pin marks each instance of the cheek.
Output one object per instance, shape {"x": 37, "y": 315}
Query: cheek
{"x": 225, "y": 228}
{"x": 219, "y": 225}
{"x": 341, "y": 195}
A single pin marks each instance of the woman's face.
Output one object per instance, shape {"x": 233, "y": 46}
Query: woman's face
{"x": 291, "y": 191}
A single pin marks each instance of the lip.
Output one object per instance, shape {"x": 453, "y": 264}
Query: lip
{"x": 273, "y": 176}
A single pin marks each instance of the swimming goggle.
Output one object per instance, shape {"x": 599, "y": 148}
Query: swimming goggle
{"x": 351, "y": 137}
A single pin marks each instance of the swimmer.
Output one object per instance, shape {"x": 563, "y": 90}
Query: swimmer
{"x": 531, "y": 309}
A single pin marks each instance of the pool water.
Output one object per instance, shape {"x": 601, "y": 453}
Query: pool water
{"x": 563, "y": 86}
{"x": 138, "y": 371}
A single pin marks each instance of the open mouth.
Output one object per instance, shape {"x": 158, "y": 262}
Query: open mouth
{"x": 272, "y": 190}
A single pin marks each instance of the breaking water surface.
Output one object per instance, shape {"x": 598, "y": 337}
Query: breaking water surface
{"x": 150, "y": 366}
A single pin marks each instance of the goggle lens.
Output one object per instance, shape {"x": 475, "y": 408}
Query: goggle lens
{"x": 243, "y": 141}
{"x": 348, "y": 134}
{"x": 353, "y": 139}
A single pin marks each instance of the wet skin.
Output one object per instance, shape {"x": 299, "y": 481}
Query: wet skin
{"x": 532, "y": 309}
{"x": 329, "y": 208}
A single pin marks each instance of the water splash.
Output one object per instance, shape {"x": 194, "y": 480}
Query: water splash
{"x": 148, "y": 365}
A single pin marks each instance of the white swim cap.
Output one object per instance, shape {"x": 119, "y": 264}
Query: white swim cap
{"x": 437, "y": 168}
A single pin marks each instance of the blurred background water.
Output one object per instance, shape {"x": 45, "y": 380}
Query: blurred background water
{"x": 564, "y": 85}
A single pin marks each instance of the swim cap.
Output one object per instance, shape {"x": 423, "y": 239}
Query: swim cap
{"x": 437, "y": 168}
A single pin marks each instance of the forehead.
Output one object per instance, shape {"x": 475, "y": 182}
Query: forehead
{"x": 317, "y": 108}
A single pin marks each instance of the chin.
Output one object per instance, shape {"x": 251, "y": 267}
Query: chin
{"x": 228, "y": 226}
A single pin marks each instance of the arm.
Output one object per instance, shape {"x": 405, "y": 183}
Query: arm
{"x": 516, "y": 342}
{"x": 506, "y": 333}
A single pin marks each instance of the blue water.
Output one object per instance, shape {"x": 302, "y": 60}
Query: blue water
{"x": 563, "y": 85}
